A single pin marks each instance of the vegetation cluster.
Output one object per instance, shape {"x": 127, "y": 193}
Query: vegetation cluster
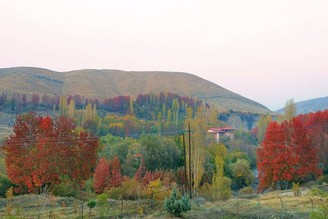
{"x": 156, "y": 147}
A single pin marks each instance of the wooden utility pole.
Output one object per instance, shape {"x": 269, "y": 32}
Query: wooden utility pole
{"x": 185, "y": 161}
{"x": 190, "y": 185}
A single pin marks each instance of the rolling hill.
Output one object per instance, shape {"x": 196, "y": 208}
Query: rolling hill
{"x": 110, "y": 83}
{"x": 307, "y": 106}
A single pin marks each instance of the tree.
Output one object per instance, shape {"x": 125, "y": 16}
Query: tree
{"x": 160, "y": 153}
{"x": 41, "y": 150}
{"x": 116, "y": 176}
{"x": 286, "y": 155}
{"x": 241, "y": 173}
{"x": 262, "y": 126}
{"x": 107, "y": 174}
{"x": 198, "y": 142}
{"x": 317, "y": 125}
{"x": 176, "y": 206}
{"x": 71, "y": 109}
{"x": 101, "y": 175}
{"x": 289, "y": 111}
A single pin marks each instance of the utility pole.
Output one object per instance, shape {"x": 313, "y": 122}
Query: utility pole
{"x": 190, "y": 185}
{"x": 185, "y": 161}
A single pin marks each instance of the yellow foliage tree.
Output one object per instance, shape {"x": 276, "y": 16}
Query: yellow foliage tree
{"x": 198, "y": 142}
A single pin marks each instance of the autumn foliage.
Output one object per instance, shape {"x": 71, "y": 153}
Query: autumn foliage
{"x": 317, "y": 126}
{"x": 42, "y": 150}
{"x": 287, "y": 155}
{"x": 107, "y": 174}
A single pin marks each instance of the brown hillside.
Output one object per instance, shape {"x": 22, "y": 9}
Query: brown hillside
{"x": 109, "y": 83}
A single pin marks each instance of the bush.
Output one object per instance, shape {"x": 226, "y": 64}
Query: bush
{"x": 224, "y": 190}
{"x": 91, "y": 204}
{"x": 206, "y": 192}
{"x": 114, "y": 193}
{"x": 66, "y": 188}
{"x": 102, "y": 198}
{"x": 5, "y": 184}
{"x": 88, "y": 186}
{"x": 246, "y": 191}
{"x": 176, "y": 206}
{"x": 320, "y": 213}
{"x": 315, "y": 191}
{"x": 323, "y": 179}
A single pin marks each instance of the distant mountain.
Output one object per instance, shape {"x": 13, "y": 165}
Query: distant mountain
{"x": 308, "y": 106}
{"x": 110, "y": 83}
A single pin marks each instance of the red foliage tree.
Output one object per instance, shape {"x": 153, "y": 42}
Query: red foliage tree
{"x": 101, "y": 175}
{"x": 116, "y": 176}
{"x": 107, "y": 174}
{"x": 317, "y": 125}
{"x": 41, "y": 150}
{"x": 286, "y": 155}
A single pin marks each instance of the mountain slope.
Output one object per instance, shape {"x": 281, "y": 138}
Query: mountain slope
{"x": 109, "y": 83}
{"x": 308, "y": 106}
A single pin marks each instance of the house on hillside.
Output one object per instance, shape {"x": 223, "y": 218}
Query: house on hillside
{"x": 220, "y": 132}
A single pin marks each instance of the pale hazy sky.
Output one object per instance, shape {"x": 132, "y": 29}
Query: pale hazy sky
{"x": 265, "y": 50}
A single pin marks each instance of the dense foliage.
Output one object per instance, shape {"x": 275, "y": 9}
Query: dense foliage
{"x": 286, "y": 155}
{"x": 142, "y": 153}
{"x": 41, "y": 151}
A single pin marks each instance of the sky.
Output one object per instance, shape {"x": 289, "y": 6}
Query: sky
{"x": 266, "y": 50}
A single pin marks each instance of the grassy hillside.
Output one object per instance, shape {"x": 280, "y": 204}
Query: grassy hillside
{"x": 307, "y": 106}
{"x": 110, "y": 83}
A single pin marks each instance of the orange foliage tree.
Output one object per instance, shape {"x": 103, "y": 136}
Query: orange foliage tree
{"x": 107, "y": 174}
{"x": 42, "y": 150}
{"x": 101, "y": 175}
{"x": 286, "y": 155}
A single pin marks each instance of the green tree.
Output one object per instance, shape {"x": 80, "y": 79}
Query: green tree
{"x": 241, "y": 174}
{"x": 160, "y": 152}
{"x": 176, "y": 206}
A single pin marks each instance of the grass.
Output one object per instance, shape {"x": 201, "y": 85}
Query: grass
{"x": 274, "y": 204}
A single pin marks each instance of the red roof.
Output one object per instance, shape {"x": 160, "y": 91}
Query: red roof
{"x": 220, "y": 130}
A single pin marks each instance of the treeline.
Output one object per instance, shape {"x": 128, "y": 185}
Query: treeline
{"x": 121, "y": 115}
{"x": 144, "y": 106}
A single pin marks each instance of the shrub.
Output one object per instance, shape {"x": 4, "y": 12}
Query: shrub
{"x": 321, "y": 213}
{"x": 315, "y": 191}
{"x": 114, "y": 193}
{"x": 296, "y": 189}
{"x": 186, "y": 203}
{"x": 102, "y": 198}
{"x": 246, "y": 190}
{"x": 88, "y": 186}
{"x": 224, "y": 188}
{"x": 66, "y": 188}
{"x": 5, "y": 184}
{"x": 91, "y": 204}
{"x": 206, "y": 192}
{"x": 323, "y": 179}
{"x": 176, "y": 206}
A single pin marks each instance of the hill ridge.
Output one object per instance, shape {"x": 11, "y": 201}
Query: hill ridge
{"x": 310, "y": 105}
{"x": 104, "y": 83}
